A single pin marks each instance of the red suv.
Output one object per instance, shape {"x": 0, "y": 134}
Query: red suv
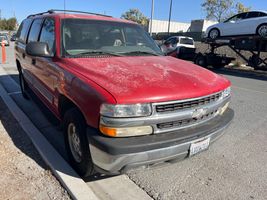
{"x": 121, "y": 102}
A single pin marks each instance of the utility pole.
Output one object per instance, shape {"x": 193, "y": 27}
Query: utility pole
{"x": 170, "y": 15}
{"x": 152, "y": 15}
{"x": 0, "y": 14}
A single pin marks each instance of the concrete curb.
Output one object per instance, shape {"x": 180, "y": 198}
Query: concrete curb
{"x": 70, "y": 180}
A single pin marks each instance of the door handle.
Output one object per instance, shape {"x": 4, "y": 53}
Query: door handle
{"x": 23, "y": 55}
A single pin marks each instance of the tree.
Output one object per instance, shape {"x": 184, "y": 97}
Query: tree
{"x": 217, "y": 9}
{"x": 136, "y": 16}
{"x": 220, "y": 10}
{"x": 240, "y": 8}
{"x": 8, "y": 24}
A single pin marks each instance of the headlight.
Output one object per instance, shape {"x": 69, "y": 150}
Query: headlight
{"x": 226, "y": 92}
{"x": 131, "y": 110}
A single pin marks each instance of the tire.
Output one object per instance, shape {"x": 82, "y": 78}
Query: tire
{"x": 214, "y": 33}
{"x": 262, "y": 30}
{"x": 201, "y": 61}
{"x": 255, "y": 61}
{"x": 23, "y": 85}
{"x": 76, "y": 142}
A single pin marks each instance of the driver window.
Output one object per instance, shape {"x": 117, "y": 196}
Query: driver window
{"x": 48, "y": 34}
{"x": 237, "y": 17}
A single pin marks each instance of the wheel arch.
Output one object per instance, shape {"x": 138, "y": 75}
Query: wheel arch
{"x": 65, "y": 103}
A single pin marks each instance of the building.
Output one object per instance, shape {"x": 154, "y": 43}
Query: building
{"x": 200, "y": 25}
{"x": 161, "y": 26}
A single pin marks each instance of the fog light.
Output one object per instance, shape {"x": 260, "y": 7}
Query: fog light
{"x": 126, "y": 132}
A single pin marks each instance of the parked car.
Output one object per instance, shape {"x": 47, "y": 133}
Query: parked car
{"x": 248, "y": 23}
{"x": 179, "y": 46}
{"x": 4, "y": 39}
{"x": 122, "y": 103}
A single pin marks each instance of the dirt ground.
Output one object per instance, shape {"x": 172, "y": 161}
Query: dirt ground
{"x": 23, "y": 174}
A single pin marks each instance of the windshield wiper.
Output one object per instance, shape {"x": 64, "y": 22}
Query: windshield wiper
{"x": 142, "y": 52}
{"x": 99, "y": 53}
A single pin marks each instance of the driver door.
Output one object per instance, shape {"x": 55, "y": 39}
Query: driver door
{"x": 234, "y": 25}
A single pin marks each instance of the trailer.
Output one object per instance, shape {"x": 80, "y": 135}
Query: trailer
{"x": 256, "y": 45}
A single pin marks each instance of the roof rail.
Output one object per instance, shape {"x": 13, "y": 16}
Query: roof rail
{"x": 42, "y": 13}
{"x": 75, "y": 11}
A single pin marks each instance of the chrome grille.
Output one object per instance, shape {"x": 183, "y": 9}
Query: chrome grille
{"x": 186, "y": 122}
{"x": 170, "y": 107}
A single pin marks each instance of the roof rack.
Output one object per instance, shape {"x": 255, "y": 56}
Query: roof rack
{"x": 42, "y": 13}
{"x": 67, "y": 11}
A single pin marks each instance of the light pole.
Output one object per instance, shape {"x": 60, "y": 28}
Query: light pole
{"x": 170, "y": 15}
{"x": 151, "y": 18}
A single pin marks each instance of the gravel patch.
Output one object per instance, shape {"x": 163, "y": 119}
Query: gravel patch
{"x": 24, "y": 175}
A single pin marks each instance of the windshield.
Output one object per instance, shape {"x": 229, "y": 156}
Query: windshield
{"x": 186, "y": 41}
{"x": 82, "y": 37}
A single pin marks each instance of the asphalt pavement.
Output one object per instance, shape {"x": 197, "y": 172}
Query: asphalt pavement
{"x": 234, "y": 167}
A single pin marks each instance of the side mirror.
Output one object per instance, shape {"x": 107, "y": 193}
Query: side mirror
{"x": 38, "y": 49}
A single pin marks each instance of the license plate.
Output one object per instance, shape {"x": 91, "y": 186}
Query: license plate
{"x": 199, "y": 146}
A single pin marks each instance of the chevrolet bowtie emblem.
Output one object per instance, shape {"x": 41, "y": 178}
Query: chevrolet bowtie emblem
{"x": 199, "y": 113}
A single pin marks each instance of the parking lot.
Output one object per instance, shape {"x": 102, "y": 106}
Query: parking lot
{"x": 233, "y": 168}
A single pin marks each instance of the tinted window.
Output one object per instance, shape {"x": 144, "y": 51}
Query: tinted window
{"x": 253, "y": 14}
{"x": 82, "y": 37}
{"x": 35, "y": 30}
{"x": 23, "y": 30}
{"x": 237, "y": 17}
{"x": 263, "y": 14}
{"x": 48, "y": 34}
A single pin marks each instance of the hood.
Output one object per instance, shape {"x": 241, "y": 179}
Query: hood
{"x": 148, "y": 78}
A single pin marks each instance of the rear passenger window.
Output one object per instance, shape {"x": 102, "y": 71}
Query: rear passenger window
{"x": 23, "y": 30}
{"x": 263, "y": 14}
{"x": 48, "y": 34}
{"x": 35, "y": 30}
{"x": 253, "y": 14}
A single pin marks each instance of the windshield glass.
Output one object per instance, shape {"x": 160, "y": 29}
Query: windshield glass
{"x": 186, "y": 41}
{"x": 82, "y": 37}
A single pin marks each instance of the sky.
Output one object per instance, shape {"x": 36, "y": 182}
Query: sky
{"x": 183, "y": 10}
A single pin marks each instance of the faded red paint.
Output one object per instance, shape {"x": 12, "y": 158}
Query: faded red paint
{"x": 89, "y": 82}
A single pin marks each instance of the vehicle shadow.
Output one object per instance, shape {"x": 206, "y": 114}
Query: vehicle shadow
{"x": 55, "y": 132}
{"x": 18, "y": 136}
{"x": 241, "y": 74}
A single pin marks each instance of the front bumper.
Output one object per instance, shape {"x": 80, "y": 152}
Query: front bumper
{"x": 116, "y": 155}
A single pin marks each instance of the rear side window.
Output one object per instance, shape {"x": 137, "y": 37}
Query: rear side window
{"x": 23, "y": 30}
{"x": 262, "y": 14}
{"x": 35, "y": 30}
{"x": 48, "y": 34}
{"x": 253, "y": 14}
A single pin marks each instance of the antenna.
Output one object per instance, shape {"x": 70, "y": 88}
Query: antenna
{"x": 64, "y": 4}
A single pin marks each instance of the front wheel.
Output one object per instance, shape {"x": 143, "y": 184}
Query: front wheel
{"x": 262, "y": 30}
{"x": 214, "y": 33}
{"x": 76, "y": 142}
{"x": 201, "y": 60}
